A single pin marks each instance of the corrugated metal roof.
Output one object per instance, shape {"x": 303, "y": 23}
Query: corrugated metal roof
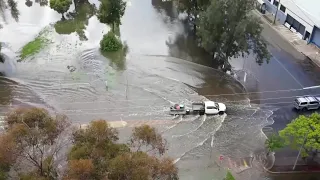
{"x": 308, "y": 10}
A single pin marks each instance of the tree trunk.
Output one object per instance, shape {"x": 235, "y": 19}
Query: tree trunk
{"x": 304, "y": 159}
{"x": 113, "y": 27}
{"x": 195, "y": 17}
{"x": 63, "y": 18}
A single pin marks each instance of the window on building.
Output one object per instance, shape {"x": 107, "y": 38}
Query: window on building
{"x": 276, "y": 3}
{"x": 283, "y": 8}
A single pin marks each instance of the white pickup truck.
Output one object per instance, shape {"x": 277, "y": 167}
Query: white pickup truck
{"x": 307, "y": 103}
{"x": 206, "y": 107}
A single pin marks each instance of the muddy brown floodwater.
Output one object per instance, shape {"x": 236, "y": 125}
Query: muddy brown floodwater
{"x": 163, "y": 65}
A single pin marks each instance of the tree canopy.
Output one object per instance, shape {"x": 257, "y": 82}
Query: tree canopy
{"x": 303, "y": 128}
{"x": 227, "y": 29}
{"x": 111, "y": 11}
{"x": 146, "y": 138}
{"x": 61, "y": 6}
{"x": 78, "y": 19}
{"x": 273, "y": 143}
{"x": 193, "y": 8}
{"x": 12, "y": 6}
{"x": 229, "y": 176}
{"x": 33, "y": 140}
{"x": 96, "y": 154}
{"x": 110, "y": 43}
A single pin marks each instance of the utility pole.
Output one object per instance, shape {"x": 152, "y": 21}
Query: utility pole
{"x": 304, "y": 142}
{"x": 275, "y": 16}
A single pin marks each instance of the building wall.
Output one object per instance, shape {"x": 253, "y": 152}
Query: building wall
{"x": 281, "y": 16}
{"x": 308, "y": 26}
{"x": 315, "y": 37}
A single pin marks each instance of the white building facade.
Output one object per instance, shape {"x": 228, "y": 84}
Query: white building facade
{"x": 302, "y": 16}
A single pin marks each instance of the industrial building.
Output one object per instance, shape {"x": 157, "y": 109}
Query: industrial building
{"x": 302, "y": 16}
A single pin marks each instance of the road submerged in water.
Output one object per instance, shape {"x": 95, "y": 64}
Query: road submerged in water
{"x": 163, "y": 66}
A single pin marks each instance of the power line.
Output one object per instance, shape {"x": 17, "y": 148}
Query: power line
{"x": 215, "y": 95}
{"x": 151, "y": 108}
{"x": 250, "y": 100}
{"x": 151, "y": 112}
{"x": 304, "y": 12}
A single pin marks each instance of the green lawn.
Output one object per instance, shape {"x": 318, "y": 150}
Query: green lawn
{"x": 34, "y": 46}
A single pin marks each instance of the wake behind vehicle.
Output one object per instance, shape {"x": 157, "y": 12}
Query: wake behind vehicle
{"x": 307, "y": 103}
{"x": 206, "y": 107}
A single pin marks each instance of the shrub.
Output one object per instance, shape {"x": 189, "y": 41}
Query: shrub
{"x": 110, "y": 42}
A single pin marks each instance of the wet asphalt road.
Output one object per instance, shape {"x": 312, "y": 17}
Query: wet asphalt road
{"x": 279, "y": 82}
{"x": 270, "y": 85}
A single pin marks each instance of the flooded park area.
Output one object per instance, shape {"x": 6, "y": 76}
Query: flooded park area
{"x": 162, "y": 65}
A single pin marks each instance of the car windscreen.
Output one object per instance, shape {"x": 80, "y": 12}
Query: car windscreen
{"x": 211, "y": 107}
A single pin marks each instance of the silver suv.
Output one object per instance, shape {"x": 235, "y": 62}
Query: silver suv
{"x": 307, "y": 103}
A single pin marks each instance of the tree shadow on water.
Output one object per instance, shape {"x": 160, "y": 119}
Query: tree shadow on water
{"x": 29, "y": 3}
{"x": 118, "y": 58}
{"x": 12, "y": 6}
{"x": 77, "y": 20}
{"x": 42, "y": 2}
{"x": 184, "y": 46}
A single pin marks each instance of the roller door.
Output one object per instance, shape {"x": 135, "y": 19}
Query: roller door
{"x": 315, "y": 37}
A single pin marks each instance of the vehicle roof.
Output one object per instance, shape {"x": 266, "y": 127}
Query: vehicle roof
{"x": 311, "y": 98}
{"x": 307, "y": 99}
{"x": 209, "y": 103}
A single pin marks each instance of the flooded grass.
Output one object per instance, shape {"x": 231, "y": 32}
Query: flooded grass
{"x": 34, "y": 46}
{"x": 117, "y": 58}
{"x": 77, "y": 22}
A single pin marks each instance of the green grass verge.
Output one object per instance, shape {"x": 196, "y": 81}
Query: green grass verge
{"x": 34, "y": 46}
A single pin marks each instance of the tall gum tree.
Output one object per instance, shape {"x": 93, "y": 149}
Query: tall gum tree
{"x": 34, "y": 139}
{"x": 111, "y": 11}
{"x": 192, "y": 8}
{"x": 227, "y": 28}
{"x": 61, "y": 6}
{"x": 97, "y": 155}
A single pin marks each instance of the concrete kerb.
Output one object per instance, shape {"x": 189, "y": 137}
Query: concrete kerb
{"x": 267, "y": 22}
{"x": 289, "y": 172}
{"x": 312, "y": 61}
{"x": 113, "y": 124}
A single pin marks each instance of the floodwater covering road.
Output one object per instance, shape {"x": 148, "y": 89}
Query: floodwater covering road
{"x": 162, "y": 66}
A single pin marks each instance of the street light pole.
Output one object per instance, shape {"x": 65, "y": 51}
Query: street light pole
{"x": 304, "y": 141}
{"x": 275, "y": 16}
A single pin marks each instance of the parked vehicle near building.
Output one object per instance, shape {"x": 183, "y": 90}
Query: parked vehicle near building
{"x": 307, "y": 103}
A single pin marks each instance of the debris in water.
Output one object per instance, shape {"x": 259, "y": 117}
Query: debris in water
{"x": 71, "y": 68}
